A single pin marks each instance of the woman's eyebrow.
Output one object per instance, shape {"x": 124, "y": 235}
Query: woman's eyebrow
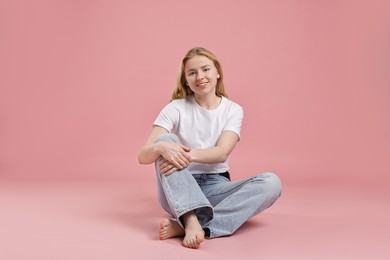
{"x": 204, "y": 66}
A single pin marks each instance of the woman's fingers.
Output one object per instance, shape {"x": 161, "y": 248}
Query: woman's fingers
{"x": 183, "y": 161}
{"x": 185, "y": 148}
{"x": 168, "y": 169}
{"x": 166, "y": 166}
{"x": 186, "y": 153}
{"x": 180, "y": 161}
{"x": 172, "y": 170}
{"x": 176, "y": 154}
{"x": 173, "y": 163}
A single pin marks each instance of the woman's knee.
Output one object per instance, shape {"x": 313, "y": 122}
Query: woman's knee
{"x": 273, "y": 182}
{"x": 167, "y": 137}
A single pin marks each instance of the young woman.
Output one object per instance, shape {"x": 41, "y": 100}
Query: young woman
{"x": 190, "y": 143}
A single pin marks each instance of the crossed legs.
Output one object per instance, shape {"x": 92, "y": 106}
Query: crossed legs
{"x": 220, "y": 212}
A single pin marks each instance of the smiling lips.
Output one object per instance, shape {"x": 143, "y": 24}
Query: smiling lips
{"x": 202, "y": 84}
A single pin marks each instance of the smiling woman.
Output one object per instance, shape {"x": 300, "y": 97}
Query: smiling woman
{"x": 190, "y": 143}
{"x": 202, "y": 77}
{"x": 189, "y": 71}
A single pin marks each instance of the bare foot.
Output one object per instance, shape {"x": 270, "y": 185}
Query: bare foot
{"x": 170, "y": 228}
{"x": 194, "y": 234}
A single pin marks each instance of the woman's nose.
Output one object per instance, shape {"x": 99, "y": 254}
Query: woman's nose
{"x": 200, "y": 76}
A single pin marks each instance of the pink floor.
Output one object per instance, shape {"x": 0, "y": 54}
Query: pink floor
{"x": 114, "y": 220}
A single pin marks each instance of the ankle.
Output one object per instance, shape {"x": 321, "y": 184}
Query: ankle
{"x": 190, "y": 218}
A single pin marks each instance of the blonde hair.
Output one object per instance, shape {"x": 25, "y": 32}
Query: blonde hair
{"x": 182, "y": 90}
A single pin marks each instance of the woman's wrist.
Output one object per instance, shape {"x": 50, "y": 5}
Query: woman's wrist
{"x": 157, "y": 147}
{"x": 193, "y": 155}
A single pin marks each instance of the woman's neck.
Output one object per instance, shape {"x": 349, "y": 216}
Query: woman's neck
{"x": 208, "y": 102}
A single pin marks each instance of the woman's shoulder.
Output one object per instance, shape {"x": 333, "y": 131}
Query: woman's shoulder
{"x": 177, "y": 105}
{"x": 180, "y": 102}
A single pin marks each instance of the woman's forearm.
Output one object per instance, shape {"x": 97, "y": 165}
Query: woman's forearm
{"x": 149, "y": 154}
{"x": 218, "y": 153}
{"x": 211, "y": 155}
{"x": 151, "y": 150}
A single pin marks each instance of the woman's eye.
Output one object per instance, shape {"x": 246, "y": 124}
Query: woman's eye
{"x": 206, "y": 69}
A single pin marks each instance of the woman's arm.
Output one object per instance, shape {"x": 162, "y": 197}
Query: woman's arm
{"x": 218, "y": 153}
{"x": 150, "y": 151}
{"x": 176, "y": 154}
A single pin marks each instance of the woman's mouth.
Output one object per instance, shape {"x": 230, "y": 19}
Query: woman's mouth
{"x": 202, "y": 84}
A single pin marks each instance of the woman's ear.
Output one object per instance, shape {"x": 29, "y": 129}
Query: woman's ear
{"x": 218, "y": 76}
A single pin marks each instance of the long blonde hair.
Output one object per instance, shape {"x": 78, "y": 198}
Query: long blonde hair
{"x": 182, "y": 90}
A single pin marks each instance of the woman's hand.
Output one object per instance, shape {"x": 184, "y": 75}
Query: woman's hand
{"x": 176, "y": 157}
{"x": 167, "y": 168}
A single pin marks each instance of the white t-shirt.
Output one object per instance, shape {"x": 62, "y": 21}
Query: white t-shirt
{"x": 197, "y": 127}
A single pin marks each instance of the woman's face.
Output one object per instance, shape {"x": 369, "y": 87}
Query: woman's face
{"x": 201, "y": 75}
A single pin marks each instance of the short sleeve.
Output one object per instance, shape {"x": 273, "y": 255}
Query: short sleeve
{"x": 168, "y": 117}
{"x": 234, "y": 119}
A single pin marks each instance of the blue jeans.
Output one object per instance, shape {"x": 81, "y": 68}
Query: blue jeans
{"x": 221, "y": 205}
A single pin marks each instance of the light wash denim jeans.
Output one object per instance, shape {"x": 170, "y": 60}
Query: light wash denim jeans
{"x": 221, "y": 205}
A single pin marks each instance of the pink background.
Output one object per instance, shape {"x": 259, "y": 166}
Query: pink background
{"x": 82, "y": 81}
